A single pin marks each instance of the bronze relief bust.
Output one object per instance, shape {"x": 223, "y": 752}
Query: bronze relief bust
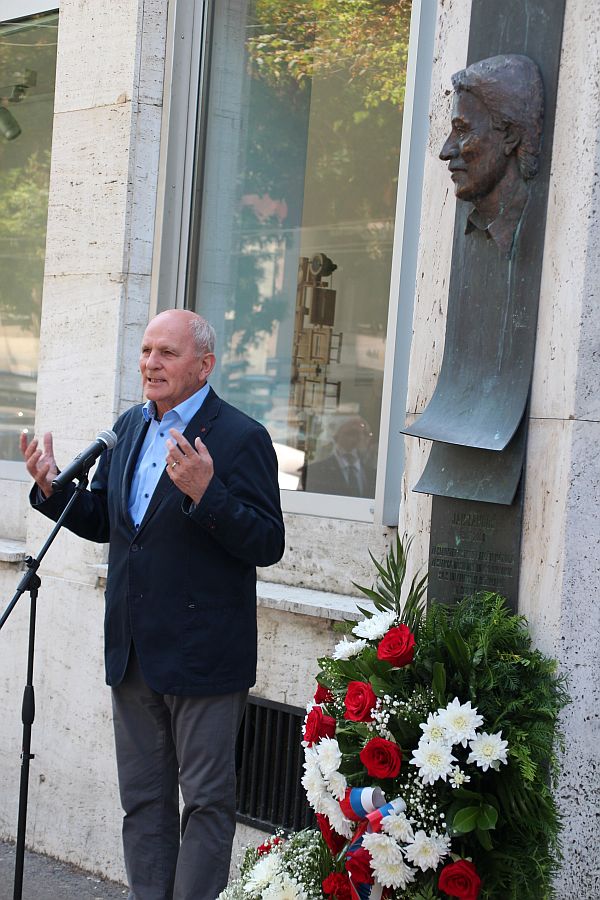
{"x": 493, "y": 148}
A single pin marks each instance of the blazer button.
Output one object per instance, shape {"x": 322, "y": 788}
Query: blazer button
{"x": 135, "y": 547}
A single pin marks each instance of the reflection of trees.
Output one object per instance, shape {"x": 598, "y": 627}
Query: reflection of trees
{"x": 357, "y": 51}
{"x": 294, "y": 41}
{"x": 24, "y": 175}
{"x": 23, "y": 215}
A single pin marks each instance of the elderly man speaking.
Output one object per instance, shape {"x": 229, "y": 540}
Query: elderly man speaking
{"x": 189, "y": 503}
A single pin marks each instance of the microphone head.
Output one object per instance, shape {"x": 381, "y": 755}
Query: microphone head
{"x": 107, "y": 437}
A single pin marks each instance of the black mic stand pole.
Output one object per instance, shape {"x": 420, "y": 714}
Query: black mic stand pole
{"x": 31, "y": 582}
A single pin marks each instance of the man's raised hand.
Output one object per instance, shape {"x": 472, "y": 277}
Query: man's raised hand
{"x": 40, "y": 462}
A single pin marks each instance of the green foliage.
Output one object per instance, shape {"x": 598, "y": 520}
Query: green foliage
{"x": 23, "y": 215}
{"x": 387, "y": 592}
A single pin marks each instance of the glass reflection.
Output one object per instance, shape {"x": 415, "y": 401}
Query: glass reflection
{"x": 27, "y": 76}
{"x": 293, "y": 240}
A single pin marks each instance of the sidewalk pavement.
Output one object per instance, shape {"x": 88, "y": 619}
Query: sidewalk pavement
{"x": 45, "y": 878}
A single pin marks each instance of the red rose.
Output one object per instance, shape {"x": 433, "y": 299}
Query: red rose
{"x": 318, "y": 725}
{"x": 460, "y": 879}
{"x": 381, "y": 758}
{"x": 323, "y": 694}
{"x": 358, "y": 866}
{"x": 338, "y": 886}
{"x": 397, "y": 646}
{"x": 334, "y": 841}
{"x": 359, "y": 701}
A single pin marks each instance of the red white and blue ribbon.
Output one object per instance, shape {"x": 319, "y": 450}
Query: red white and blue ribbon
{"x": 368, "y": 807}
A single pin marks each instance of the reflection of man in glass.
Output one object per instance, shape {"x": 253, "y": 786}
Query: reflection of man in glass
{"x": 347, "y": 469}
{"x": 494, "y": 144}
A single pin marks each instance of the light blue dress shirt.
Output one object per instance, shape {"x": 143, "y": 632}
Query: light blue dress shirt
{"x": 151, "y": 460}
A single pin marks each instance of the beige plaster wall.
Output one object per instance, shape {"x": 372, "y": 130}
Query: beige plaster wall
{"x": 561, "y": 538}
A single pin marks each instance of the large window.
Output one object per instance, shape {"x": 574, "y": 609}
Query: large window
{"x": 27, "y": 75}
{"x": 291, "y": 248}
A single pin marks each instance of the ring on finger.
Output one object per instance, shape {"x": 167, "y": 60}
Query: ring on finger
{"x": 173, "y": 464}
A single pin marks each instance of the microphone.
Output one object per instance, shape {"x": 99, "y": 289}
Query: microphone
{"x": 106, "y": 440}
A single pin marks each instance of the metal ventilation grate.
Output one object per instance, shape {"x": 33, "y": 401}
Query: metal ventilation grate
{"x": 270, "y": 759}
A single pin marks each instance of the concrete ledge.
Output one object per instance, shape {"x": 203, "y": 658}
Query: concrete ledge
{"x": 12, "y": 551}
{"x": 305, "y": 602}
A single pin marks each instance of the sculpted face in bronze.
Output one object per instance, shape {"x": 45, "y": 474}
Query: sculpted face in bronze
{"x": 492, "y": 150}
{"x": 478, "y": 154}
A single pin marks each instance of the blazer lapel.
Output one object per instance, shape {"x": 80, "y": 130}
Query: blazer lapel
{"x": 137, "y": 439}
{"x": 202, "y": 422}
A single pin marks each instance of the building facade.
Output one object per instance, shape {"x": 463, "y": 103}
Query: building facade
{"x": 275, "y": 167}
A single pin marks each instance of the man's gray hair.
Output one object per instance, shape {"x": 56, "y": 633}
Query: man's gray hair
{"x": 511, "y": 88}
{"x": 204, "y": 336}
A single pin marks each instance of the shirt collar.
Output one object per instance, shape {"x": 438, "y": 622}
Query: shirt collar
{"x": 186, "y": 410}
{"x": 502, "y": 229}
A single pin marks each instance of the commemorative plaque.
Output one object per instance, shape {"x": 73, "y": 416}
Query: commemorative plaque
{"x": 474, "y": 547}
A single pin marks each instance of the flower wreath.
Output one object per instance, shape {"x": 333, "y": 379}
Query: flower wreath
{"x": 429, "y": 756}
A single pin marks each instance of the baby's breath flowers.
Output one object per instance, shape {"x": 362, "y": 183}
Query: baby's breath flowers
{"x": 290, "y": 870}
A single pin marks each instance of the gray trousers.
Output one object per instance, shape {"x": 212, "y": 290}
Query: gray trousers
{"x": 164, "y": 742}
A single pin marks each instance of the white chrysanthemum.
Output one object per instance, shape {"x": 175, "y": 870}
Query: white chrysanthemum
{"x": 434, "y": 760}
{"x": 337, "y": 784}
{"x": 347, "y": 649}
{"x": 396, "y": 875}
{"x": 262, "y": 874}
{"x": 382, "y": 847}
{"x": 337, "y": 819}
{"x": 374, "y": 628}
{"x": 285, "y": 888}
{"x": 460, "y": 721}
{"x": 458, "y": 777}
{"x": 387, "y": 861}
{"x": 398, "y": 827}
{"x": 311, "y": 759}
{"x": 432, "y": 729}
{"x": 488, "y": 750}
{"x": 329, "y": 756}
{"x": 426, "y": 851}
{"x": 316, "y": 789}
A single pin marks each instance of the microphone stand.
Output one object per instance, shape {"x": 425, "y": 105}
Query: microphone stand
{"x": 31, "y": 582}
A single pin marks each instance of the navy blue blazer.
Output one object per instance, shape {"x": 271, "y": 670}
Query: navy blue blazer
{"x": 183, "y": 587}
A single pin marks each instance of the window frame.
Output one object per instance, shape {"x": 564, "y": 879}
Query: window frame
{"x": 14, "y": 10}
{"x": 185, "y": 104}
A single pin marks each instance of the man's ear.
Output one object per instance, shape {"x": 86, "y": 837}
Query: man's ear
{"x": 512, "y": 139}
{"x": 208, "y": 364}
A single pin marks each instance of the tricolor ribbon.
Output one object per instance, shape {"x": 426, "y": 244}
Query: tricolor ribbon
{"x": 368, "y": 807}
